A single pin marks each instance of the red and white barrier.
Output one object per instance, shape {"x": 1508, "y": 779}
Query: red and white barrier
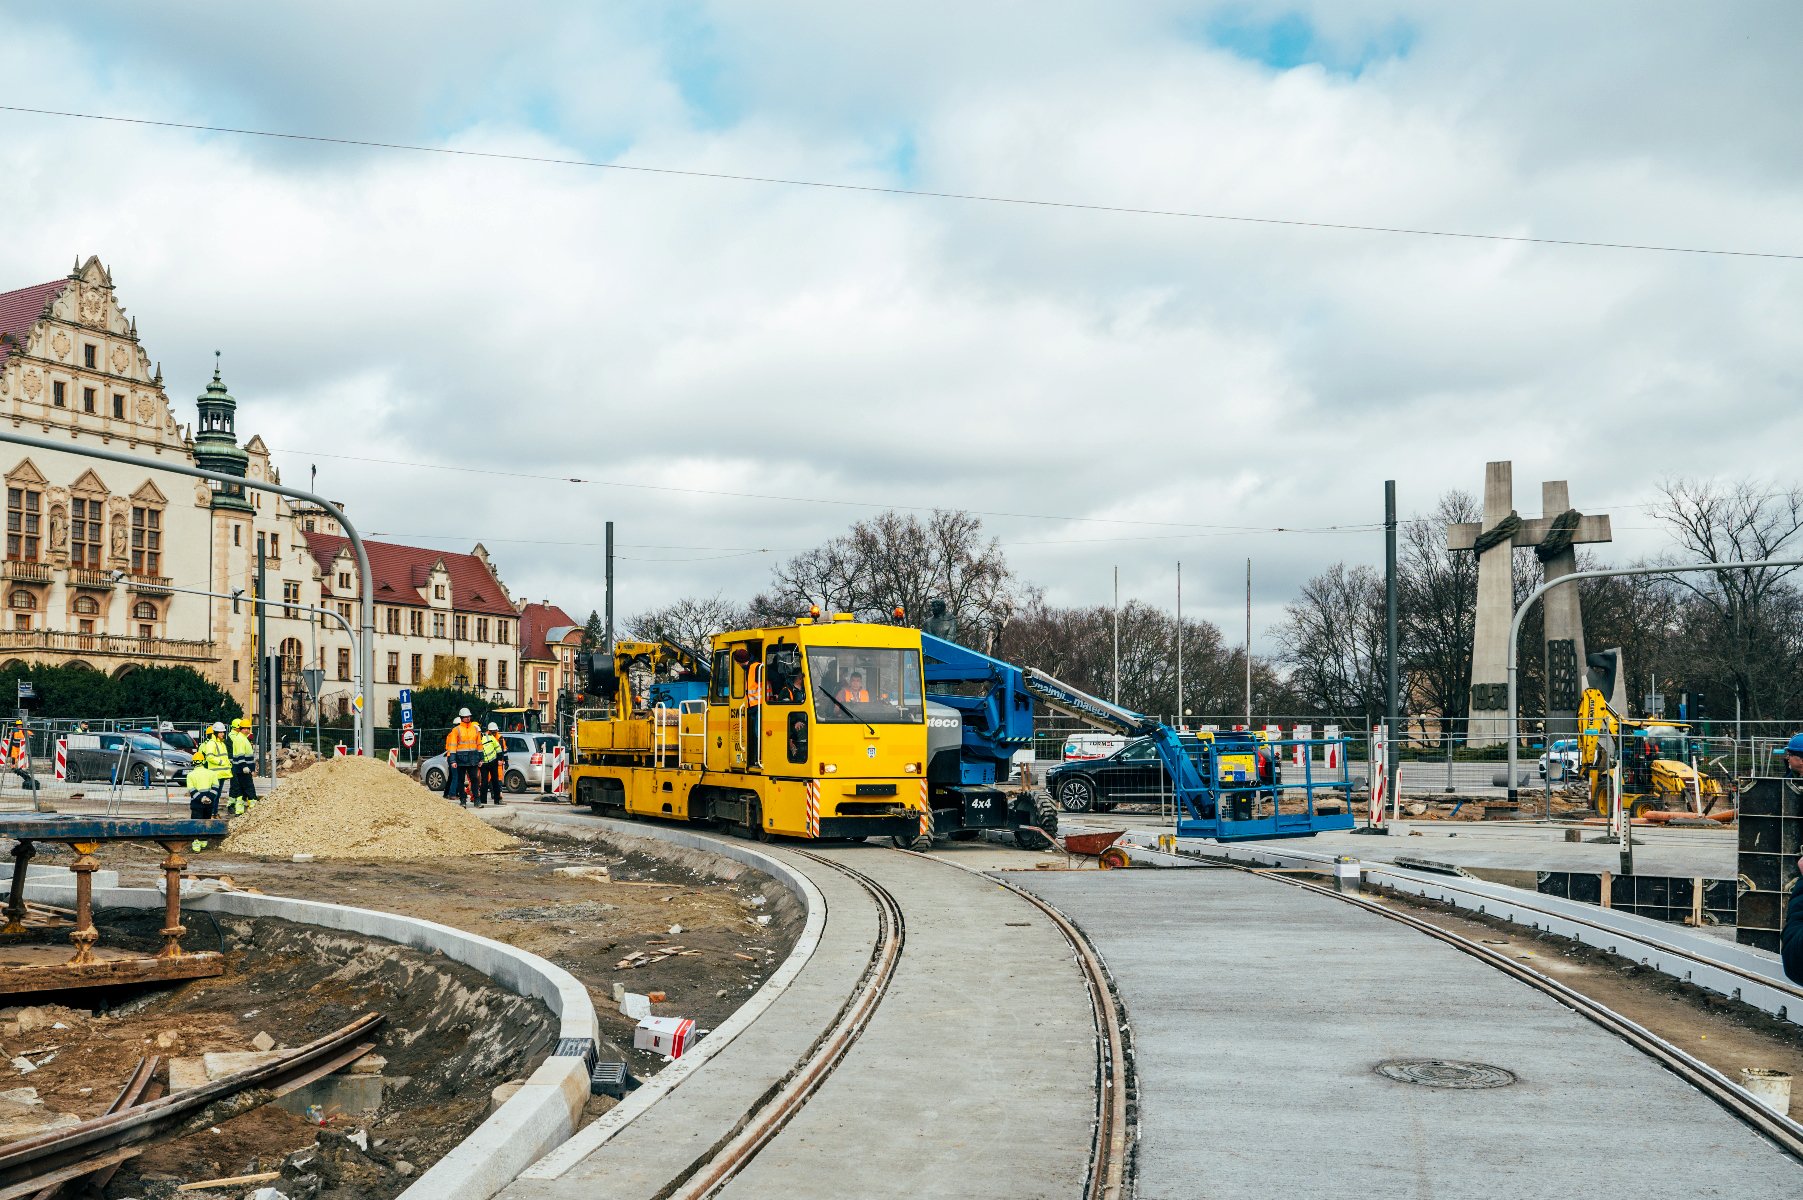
{"x": 339, "y": 750}
{"x": 1331, "y": 734}
{"x": 62, "y": 758}
{"x": 1299, "y": 753}
{"x": 560, "y": 770}
{"x": 394, "y": 757}
{"x": 1380, "y": 772}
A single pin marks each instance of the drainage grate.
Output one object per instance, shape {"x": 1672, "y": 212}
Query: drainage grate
{"x": 1445, "y": 1073}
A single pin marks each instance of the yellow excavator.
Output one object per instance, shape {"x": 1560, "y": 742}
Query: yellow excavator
{"x": 1654, "y": 757}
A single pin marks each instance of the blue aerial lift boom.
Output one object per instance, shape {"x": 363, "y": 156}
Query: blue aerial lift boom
{"x": 1215, "y": 780}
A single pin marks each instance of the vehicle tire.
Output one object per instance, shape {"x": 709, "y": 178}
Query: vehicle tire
{"x": 434, "y": 779}
{"x": 514, "y": 781}
{"x": 1113, "y": 859}
{"x": 71, "y": 772}
{"x": 1076, "y": 795}
{"x": 145, "y": 776}
{"x": 920, "y": 843}
{"x": 1045, "y": 817}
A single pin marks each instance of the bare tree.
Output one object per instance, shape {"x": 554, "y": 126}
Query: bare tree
{"x": 1333, "y": 639}
{"x": 1740, "y": 623}
{"x": 1437, "y": 600}
{"x": 690, "y": 621}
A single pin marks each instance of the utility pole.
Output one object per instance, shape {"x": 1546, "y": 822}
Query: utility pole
{"x": 610, "y": 587}
{"x": 1248, "y": 645}
{"x": 1179, "y": 645}
{"x": 262, "y": 664}
{"x": 1392, "y": 701}
{"x": 1117, "y": 635}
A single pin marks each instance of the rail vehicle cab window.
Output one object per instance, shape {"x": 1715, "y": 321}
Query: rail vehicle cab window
{"x": 721, "y": 679}
{"x": 869, "y": 685}
{"x": 782, "y": 675}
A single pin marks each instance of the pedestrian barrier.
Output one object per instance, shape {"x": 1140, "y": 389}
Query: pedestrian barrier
{"x": 338, "y": 751}
{"x": 394, "y": 757}
{"x": 62, "y": 758}
{"x": 560, "y": 770}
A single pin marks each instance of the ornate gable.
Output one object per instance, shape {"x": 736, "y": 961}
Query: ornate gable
{"x": 89, "y": 485}
{"x": 149, "y": 495}
{"x": 26, "y": 474}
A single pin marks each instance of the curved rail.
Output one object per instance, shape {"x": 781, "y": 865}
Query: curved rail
{"x": 1786, "y": 1134}
{"x": 1109, "y": 1149}
{"x": 732, "y": 1154}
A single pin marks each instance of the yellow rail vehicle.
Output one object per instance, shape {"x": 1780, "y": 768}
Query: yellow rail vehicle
{"x": 810, "y": 730}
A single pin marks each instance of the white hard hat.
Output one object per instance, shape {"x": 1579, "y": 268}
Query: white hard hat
{"x": 494, "y": 727}
{"x": 218, "y": 726}
{"x": 463, "y": 712}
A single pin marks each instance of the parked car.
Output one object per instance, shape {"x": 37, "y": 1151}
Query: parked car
{"x": 147, "y": 758}
{"x": 1562, "y": 756}
{"x": 528, "y": 764}
{"x": 1134, "y": 774}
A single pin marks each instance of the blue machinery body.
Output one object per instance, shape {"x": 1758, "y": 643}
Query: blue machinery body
{"x": 1214, "y": 779}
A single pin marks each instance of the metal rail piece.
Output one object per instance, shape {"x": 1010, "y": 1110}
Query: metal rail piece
{"x": 33, "y": 1164}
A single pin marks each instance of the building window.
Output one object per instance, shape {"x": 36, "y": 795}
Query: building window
{"x": 118, "y": 407}
{"x": 344, "y": 662}
{"x": 461, "y": 624}
{"x": 275, "y": 545}
{"x": 85, "y": 627}
{"x": 481, "y": 674}
{"x": 84, "y": 533}
{"x": 416, "y": 623}
{"x": 503, "y": 632}
{"x": 87, "y": 356}
{"x": 234, "y": 670}
{"x": 237, "y": 534}
{"x": 544, "y": 682}
{"x": 394, "y": 666}
{"x": 290, "y": 597}
{"x": 23, "y": 515}
{"x": 87, "y": 400}
{"x": 22, "y": 599}
{"x": 86, "y": 606}
{"x": 59, "y": 393}
{"x": 501, "y": 673}
{"x": 416, "y": 669}
{"x": 438, "y": 591}
{"x": 437, "y": 625}
{"x": 143, "y": 610}
{"x": 146, "y": 541}
{"x": 481, "y": 629}
{"x": 344, "y": 581}
{"x": 344, "y": 610}
{"x": 394, "y": 620}
{"x": 307, "y": 525}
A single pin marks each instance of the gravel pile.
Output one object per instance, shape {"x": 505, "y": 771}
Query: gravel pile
{"x": 360, "y": 808}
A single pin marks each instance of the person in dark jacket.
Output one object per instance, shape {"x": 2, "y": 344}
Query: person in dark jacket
{"x": 1790, "y": 942}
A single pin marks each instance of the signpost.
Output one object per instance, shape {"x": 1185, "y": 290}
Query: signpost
{"x": 407, "y": 735}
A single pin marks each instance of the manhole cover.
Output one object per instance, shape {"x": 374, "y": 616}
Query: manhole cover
{"x": 1445, "y": 1073}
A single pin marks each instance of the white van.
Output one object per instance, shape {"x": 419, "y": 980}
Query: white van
{"x": 1081, "y": 747}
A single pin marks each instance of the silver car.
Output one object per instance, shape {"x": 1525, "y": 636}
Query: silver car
{"x": 140, "y": 758}
{"x": 528, "y": 764}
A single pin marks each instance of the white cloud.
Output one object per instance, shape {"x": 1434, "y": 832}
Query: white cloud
{"x": 749, "y": 338}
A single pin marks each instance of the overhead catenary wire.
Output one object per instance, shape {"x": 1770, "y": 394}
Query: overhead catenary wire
{"x": 921, "y": 193}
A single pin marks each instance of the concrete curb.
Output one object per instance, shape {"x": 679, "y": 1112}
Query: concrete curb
{"x": 540, "y": 1116}
{"x": 596, "y": 1134}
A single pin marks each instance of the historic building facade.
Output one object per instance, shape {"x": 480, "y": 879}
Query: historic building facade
{"x": 117, "y": 567}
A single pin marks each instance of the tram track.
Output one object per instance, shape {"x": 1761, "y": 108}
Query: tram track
{"x": 710, "y": 1174}
{"x": 1781, "y": 1131}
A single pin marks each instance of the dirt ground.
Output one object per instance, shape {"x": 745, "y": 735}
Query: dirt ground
{"x": 1724, "y": 1033}
{"x": 706, "y": 940}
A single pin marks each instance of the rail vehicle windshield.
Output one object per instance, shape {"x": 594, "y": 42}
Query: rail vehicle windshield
{"x": 853, "y": 684}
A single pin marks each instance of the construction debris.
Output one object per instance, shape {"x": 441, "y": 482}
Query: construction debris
{"x": 360, "y": 808}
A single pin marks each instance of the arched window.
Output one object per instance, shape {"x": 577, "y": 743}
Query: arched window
{"x": 86, "y": 606}
{"x": 144, "y": 610}
{"x": 23, "y": 600}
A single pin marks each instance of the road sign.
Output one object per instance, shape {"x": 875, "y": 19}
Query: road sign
{"x": 315, "y": 678}
{"x": 406, "y": 697}
{"x": 406, "y": 714}
{"x": 407, "y": 737}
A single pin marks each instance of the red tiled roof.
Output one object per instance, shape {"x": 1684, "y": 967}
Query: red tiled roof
{"x": 20, "y": 310}
{"x": 536, "y": 620}
{"x": 401, "y": 571}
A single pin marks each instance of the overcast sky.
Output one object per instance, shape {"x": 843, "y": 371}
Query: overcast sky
{"x": 1169, "y": 381}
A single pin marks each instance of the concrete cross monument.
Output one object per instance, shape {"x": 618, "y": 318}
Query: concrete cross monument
{"x": 1555, "y": 536}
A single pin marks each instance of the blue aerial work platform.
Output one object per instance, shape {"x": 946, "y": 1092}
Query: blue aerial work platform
{"x": 1216, "y": 781}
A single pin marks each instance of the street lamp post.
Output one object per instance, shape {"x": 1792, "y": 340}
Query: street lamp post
{"x": 366, "y": 726}
{"x": 1515, "y": 626}
{"x": 264, "y": 602}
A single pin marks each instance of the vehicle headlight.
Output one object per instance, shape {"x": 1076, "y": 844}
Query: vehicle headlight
{"x": 828, "y": 768}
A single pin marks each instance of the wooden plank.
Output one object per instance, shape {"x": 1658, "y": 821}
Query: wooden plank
{"x": 109, "y": 972}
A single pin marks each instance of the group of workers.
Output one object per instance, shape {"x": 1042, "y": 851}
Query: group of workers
{"x": 474, "y": 760}
{"x": 223, "y": 756}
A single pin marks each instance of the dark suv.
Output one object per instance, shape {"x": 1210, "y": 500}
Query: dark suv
{"x": 1134, "y": 774}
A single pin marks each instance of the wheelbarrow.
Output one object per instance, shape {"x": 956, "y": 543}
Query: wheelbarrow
{"x": 1099, "y": 846}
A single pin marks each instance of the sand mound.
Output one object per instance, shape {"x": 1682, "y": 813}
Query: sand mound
{"x": 360, "y": 808}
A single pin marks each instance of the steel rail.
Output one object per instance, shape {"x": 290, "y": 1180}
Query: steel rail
{"x": 1108, "y": 1156}
{"x": 1783, "y": 1132}
{"x": 141, "y": 1087}
{"x": 715, "y": 1168}
{"x": 30, "y": 1165}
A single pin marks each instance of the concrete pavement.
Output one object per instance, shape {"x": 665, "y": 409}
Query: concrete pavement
{"x": 1260, "y": 1012}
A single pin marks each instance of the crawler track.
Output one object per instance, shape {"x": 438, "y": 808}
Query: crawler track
{"x": 1786, "y": 1134}
{"x": 713, "y": 1171}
